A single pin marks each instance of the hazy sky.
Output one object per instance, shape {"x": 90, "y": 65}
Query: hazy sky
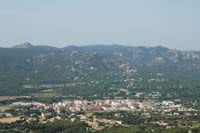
{"x": 171, "y": 23}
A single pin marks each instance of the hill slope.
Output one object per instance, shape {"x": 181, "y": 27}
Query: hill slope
{"x": 102, "y": 67}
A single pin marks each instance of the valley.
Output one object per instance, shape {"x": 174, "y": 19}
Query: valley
{"x": 99, "y": 89}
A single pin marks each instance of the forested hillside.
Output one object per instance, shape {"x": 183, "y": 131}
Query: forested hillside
{"x": 99, "y": 70}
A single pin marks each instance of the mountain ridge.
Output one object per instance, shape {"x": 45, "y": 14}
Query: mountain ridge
{"x": 23, "y": 45}
{"x": 82, "y": 64}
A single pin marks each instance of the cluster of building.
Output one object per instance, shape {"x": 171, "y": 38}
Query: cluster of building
{"x": 104, "y": 105}
{"x": 172, "y": 108}
{"x": 71, "y": 110}
{"x": 98, "y": 105}
{"x": 29, "y": 104}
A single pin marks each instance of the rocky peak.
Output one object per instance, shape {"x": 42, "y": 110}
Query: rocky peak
{"x": 24, "y": 45}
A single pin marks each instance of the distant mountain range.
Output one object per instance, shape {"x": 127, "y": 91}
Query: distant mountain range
{"x": 28, "y": 58}
{"x": 147, "y": 56}
{"x": 26, "y": 63}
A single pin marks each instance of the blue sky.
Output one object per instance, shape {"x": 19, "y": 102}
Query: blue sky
{"x": 170, "y": 23}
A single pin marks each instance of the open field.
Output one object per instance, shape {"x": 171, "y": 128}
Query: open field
{"x": 4, "y": 108}
{"x": 9, "y": 120}
{"x": 5, "y": 98}
{"x": 45, "y": 94}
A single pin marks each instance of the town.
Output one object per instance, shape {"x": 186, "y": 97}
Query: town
{"x": 91, "y": 112}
